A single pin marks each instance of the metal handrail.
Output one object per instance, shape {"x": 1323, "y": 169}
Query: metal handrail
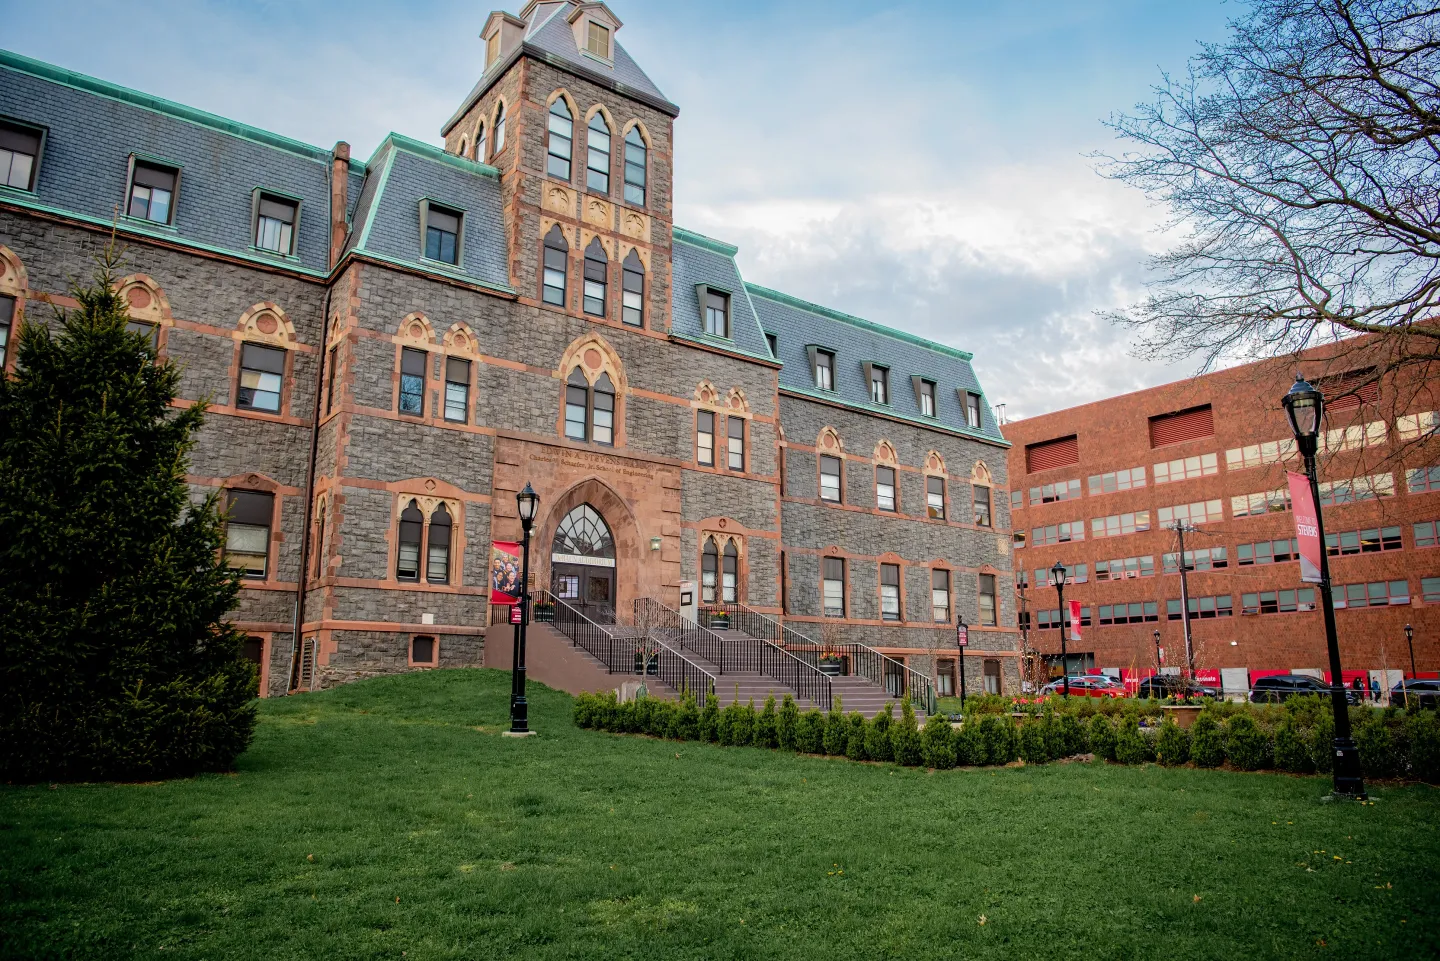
{"x": 679, "y": 631}
{"x": 864, "y": 660}
{"x": 776, "y": 661}
{"x": 618, "y": 648}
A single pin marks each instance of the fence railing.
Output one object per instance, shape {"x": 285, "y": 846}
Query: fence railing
{"x": 679, "y": 631}
{"x": 624, "y": 650}
{"x": 776, "y": 661}
{"x": 899, "y": 680}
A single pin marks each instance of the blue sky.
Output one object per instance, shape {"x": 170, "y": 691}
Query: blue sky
{"x": 922, "y": 165}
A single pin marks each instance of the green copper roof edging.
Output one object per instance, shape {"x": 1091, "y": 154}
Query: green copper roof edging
{"x": 127, "y": 225}
{"x": 419, "y": 268}
{"x": 371, "y": 211}
{"x": 860, "y": 322}
{"x": 704, "y": 242}
{"x": 725, "y": 346}
{"x": 432, "y": 152}
{"x": 80, "y": 81}
{"x": 826, "y": 397}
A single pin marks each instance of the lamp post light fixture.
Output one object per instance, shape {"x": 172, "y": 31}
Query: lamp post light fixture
{"x": 1057, "y": 576}
{"x": 1159, "y": 662}
{"x": 962, "y": 640}
{"x": 1305, "y": 408}
{"x": 1410, "y": 643}
{"x": 526, "y": 503}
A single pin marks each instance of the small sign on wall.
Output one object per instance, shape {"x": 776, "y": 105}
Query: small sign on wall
{"x": 515, "y": 614}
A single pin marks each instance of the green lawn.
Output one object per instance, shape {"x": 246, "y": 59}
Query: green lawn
{"x": 389, "y": 819}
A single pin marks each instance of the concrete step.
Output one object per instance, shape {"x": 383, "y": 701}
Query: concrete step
{"x": 555, "y": 661}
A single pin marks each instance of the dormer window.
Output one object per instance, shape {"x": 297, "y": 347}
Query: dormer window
{"x": 879, "y": 385}
{"x": 19, "y": 151}
{"x": 597, "y": 40}
{"x": 492, "y": 50}
{"x": 275, "y": 223}
{"x": 152, "y": 192}
{"x": 824, "y": 370}
{"x": 927, "y": 398}
{"x": 715, "y": 305}
{"x": 440, "y": 227}
{"x": 972, "y": 410}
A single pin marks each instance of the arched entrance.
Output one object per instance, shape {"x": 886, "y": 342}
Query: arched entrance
{"x": 582, "y": 564}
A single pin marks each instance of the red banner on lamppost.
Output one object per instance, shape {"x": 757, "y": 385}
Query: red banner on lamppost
{"x": 1307, "y": 526}
{"x": 1074, "y": 620}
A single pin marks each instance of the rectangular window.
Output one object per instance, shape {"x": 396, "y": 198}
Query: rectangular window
{"x": 940, "y": 596}
{"x": 834, "y": 586}
{"x": 773, "y": 342}
{"x": 492, "y": 50}
{"x": 152, "y": 192}
{"x": 19, "y": 151}
{"x": 442, "y": 235}
{"x": 990, "y": 667}
{"x": 705, "y": 439}
{"x": 457, "y": 389}
{"x": 1205, "y": 559}
{"x": 944, "y": 677}
{"x": 890, "y": 592}
{"x": 555, "y": 272}
{"x": 602, "y": 415}
{"x": 597, "y": 155}
{"x": 275, "y": 224}
{"x": 885, "y": 488}
{"x": 1257, "y": 455}
{"x": 1125, "y": 567}
{"x": 1058, "y": 533}
{"x": 1117, "y": 524}
{"x": 1423, "y": 479}
{"x": 987, "y": 600}
{"x": 1120, "y": 480}
{"x": 935, "y": 498}
{"x": 824, "y": 370}
{"x": 1354, "y": 437}
{"x": 597, "y": 40}
{"x": 7, "y": 318}
{"x": 1201, "y": 512}
{"x": 1187, "y": 468}
{"x": 576, "y": 400}
{"x": 829, "y": 478}
{"x": 1017, "y": 500}
{"x": 412, "y": 381}
{"x": 1415, "y": 426}
{"x": 1430, "y": 590}
{"x": 330, "y": 362}
{"x": 1052, "y": 493}
{"x": 982, "y": 505}
{"x": 1373, "y": 594}
{"x": 1427, "y": 534}
{"x": 717, "y": 314}
{"x": 632, "y": 299}
{"x": 1267, "y": 552}
{"x": 1372, "y": 541}
{"x": 422, "y": 650}
{"x": 247, "y": 532}
{"x": 879, "y": 385}
{"x": 1074, "y": 574}
{"x": 596, "y": 281}
{"x": 927, "y": 398}
{"x": 735, "y": 449}
{"x": 1357, "y": 489}
{"x": 262, "y": 374}
{"x": 1265, "y": 502}
{"x": 1203, "y": 608}
{"x": 972, "y": 410}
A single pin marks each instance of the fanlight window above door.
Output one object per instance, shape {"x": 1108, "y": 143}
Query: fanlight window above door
{"x": 584, "y": 534}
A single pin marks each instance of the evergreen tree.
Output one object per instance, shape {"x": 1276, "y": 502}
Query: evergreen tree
{"x": 117, "y": 658}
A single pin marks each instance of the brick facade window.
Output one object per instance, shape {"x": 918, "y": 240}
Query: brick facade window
{"x": 1137, "y": 612}
{"x": 1427, "y": 533}
{"x": 1267, "y": 552}
{"x": 1423, "y": 479}
{"x": 1265, "y": 502}
{"x": 1357, "y": 489}
{"x": 1125, "y": 567}
{"x": 262, "y": 378}
{"x": 1278, "y": 602}
{"x": 1373, "y": 594}
{"x": 1117, "y": 480}
{"x": 560, "y": 143}
{"x": 1430, "y": 590}
{"x": 833, "y": 586}
{"x": 247, "y": 532}
{"x": 1201, "y": 607}
{"x": 1058, "y": 533}
{"x": 885, "y": 488}
{"x": 890, "y": 592}
{"x": 830, "y": 479}
{"x": 1200, "y": 512}
{"x": 1372, "y": 541}
{"x": 412, "y": 381}
{"x": 1204, "y": 559}
{"x": 1058, "y": 491}
{"x": 1187, "y": 468}
{"x": 597, "y": 152}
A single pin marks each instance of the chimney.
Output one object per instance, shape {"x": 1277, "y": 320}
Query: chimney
{"x": 339, "y": 198}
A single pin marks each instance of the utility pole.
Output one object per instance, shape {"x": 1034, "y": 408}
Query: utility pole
{"x": 1025, "y": 651}
{"x": 1180, "y": 531}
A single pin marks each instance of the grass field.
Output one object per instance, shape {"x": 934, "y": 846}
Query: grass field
{"x": 389, "y": 819}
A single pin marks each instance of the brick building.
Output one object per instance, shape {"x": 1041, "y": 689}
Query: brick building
{"x": 392, "y": 348}
{"x": 1101, "y": 487}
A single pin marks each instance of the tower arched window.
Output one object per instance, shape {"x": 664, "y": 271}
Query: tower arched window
{"x": 480, "y": 142}
{"x": 562, "y": 138}
{"x": 632, "y": 309}
{"x": 437, "y": 550}
{"x": 602, "y": 411}
{"x": 730, "y": 574}
{"x": 709, "y": 571}
{"x": 590, "y": 409}
{"x": 597, "y": 166}
{"x": 635, "y": 157}
{"x": 412, "y": 531}
{"x": 499, "y": 128}
{"x": 557, "y": 252}
{"x": 597, "y": 266}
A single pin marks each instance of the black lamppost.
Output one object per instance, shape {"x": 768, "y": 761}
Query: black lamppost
{"x": 1305, "y": 406}
{"x": 1158, "y": 662}
{"x": 1410, "y": 643}
{"x": 1057, "y": 575}
{"x": 526, "y": 502}
{"x": 962, "y": 638}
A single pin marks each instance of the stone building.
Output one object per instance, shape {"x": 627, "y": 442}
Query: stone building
{"x": 393, "y": 348}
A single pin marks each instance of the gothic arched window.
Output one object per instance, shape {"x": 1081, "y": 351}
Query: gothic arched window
{"x": 709, "y": 570}
{"x": 635, "y": 156}
{"x": 602, "y": 411}
{"x": 632, "y": 309}
{"x": 584, "y": 533}
{"x": 437, "y": 551}
{"x": 412, "y": 530}
{"x": 562, "y": 136}
{"x": 557, "y": 252}
{"x": 597, "y": 266}
{"x": 480, "y": 141}
{"x": 730, "y": 574}
{"x": 500, "y": 128}
{"x": 597, "y": 166}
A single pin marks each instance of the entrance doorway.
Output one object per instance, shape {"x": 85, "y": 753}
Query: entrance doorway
{"x": 582, "y": 564}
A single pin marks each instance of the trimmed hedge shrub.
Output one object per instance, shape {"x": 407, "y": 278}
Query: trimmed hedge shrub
{"x": 937, "y": 743}
{"x": 837, "y": 729}
{"x": 1246, "y": 745}
{"x": 998, "y": 740}
{"x": 786, "y": 724}
{"x": 905, "y": 737}
{"x": 766, "y": 733}
{"x": 1071, "y": 737}
{"x": 855, "y": 737}
{"x": 1207, "y": 741}
{"x": 1292, "y": 752}
{"x": 1423, "y": 728}
{"x": 710, "y": 719}
{"x": 1102, "y": 737}
{"x": 1034, "y": 746}
{"x": 1172, "y": 747}
{"x": 1380, "y": 756}
{"x": 877, "y": 735}
{"x": 1131, "y": 746}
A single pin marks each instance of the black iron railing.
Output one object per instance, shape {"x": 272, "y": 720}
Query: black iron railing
{"x": 623, "y": 650}
{"x": 776, "y": 661}
{"x": 678, "y": 631}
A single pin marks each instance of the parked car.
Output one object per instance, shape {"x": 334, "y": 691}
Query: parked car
{"x": 1172, "y": 685}
{"x": 1086, "y": 685}
{"x": 1282, "y": 687}
{"x": 1416, "y": 693}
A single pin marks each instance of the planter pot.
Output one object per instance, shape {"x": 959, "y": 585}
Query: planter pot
{"x": 1183, "y": 714}
{"x": 544, "y": 615}
{"x": 830, "y": 668}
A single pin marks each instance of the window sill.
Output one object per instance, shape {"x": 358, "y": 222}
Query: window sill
{"x": 6, "y": 188}
{"x": 456, "y": 268}
{"x": 274, "y": 254}
{"x": 598, "y": 59}
{"x": 144, "y": 224}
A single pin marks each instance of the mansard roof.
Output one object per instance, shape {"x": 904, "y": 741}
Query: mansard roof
{"x": 92, "y": 128}
{"x": 548, "y": 36}
{"x": 386, "y": 223}
{"x": 799, "y": 325}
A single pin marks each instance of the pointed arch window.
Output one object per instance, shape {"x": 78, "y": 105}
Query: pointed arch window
{"x": 437, "y": 550}
{"x": 500, "y": 128}
{"x": 583, "y": 533}
{"x": 597, "y": 165}
{"x": 480, "y": 142}
{"x": 562, "y": 138}
{"x": 317, "y": 554}
{"x": 412, "y": 530}
{"x": 557, "y": 251}
{"x": 635, "y": 157}
{"x": 597, "y": 265}
{"x": 709, "y": 571}
{"x": 590, "y": 410}
{"x": 730, "y": 574}
{"x": 632, "y": 310}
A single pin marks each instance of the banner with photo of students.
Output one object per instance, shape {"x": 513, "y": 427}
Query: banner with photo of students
{"x": 505, "y": 572}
